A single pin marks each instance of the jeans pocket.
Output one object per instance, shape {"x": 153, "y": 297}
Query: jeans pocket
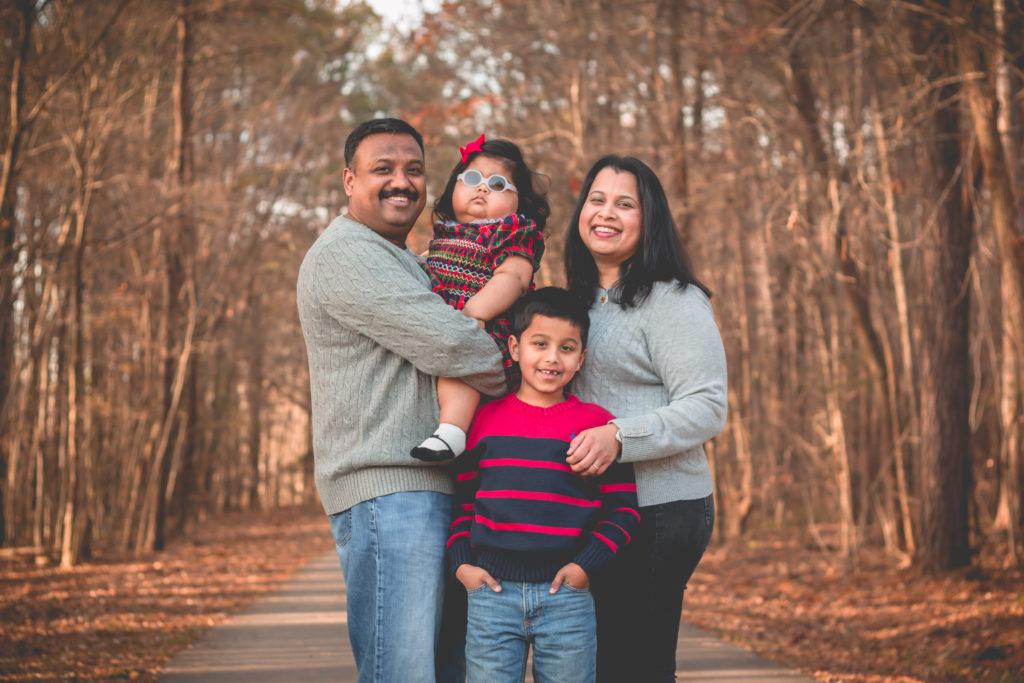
{"x": 341, "y": 528}
{"x": 471, "y": 591}
{"x": 709, "y": 515}
{"x": 574, "y": 589}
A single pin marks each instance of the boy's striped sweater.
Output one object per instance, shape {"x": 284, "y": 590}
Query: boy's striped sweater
{"x": 520, "y": 511}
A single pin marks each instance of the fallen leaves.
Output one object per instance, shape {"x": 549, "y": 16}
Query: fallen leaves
{"x": 880, "y": 623}
{"x": 122, "y": 619}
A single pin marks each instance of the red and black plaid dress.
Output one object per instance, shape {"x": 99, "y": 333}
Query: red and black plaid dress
{"x": 463, "y": 257}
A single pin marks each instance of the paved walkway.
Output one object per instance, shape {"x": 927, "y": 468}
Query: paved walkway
{"x": 298, "y": 635}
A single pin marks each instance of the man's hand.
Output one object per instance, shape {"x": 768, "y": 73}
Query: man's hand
{"x": 571, "y": 574}
{"x": 473, "y": 577}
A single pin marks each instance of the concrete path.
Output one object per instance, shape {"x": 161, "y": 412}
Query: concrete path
{"x": 298, "y": 635}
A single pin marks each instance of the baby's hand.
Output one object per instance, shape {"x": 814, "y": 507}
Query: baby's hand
{"x": 571, "y": 574}
{"x": 473, "y": 577}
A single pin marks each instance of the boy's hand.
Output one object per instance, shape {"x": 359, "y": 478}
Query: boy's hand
{"x": 571, "y": 574}
{"x": 473, "y": 577}
{"x": 592, "y": 451}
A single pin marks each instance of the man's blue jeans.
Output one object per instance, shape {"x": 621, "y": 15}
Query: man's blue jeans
{"x": 561, "y": 627}
{"x": 392, "y": 555}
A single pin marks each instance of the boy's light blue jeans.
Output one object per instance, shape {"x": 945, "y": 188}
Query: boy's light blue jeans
{"x": 561, "y": 627}
{"x": 392, "y": 555}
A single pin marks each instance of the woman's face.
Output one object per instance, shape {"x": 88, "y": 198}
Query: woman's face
{"x": 610, "y": 222}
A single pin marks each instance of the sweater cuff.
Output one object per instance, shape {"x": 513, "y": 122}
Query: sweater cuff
{"x": 458, "y": 555}
{"x": 594, "y": 556}
{"x": 638, "y": 439}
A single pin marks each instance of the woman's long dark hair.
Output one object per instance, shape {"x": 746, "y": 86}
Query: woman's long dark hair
{"x": 660, "y": 256}
{"x": 532, "y": 203}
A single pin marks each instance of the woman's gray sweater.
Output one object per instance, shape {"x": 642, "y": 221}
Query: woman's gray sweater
{"x": 660, "y": 369}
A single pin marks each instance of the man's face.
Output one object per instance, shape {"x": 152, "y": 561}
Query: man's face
{"x": 386, "y": 186}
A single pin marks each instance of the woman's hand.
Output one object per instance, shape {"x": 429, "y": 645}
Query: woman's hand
{"x": 473, "y": 577}
{"x": 571, "y": 574}
{"x": 593, "y": 451}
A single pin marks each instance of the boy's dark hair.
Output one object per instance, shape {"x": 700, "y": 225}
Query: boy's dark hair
{"x": 373, "y": 127}
{"x": 553, "y": 302}
{"x": 532, "y": 203}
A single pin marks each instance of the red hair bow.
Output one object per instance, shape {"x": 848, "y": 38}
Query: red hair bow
{"x": 475, "y": 146}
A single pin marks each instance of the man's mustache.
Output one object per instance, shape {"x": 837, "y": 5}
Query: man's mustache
{"x": 412, "y": 195}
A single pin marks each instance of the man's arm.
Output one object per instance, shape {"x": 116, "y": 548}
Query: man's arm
{"x": 365, "y": 288}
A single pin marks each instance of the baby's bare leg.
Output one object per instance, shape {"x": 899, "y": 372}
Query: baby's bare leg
{"x": 458, "y": 403}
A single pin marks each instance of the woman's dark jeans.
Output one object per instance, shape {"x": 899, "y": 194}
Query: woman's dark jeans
{"x": 639, "y": 598}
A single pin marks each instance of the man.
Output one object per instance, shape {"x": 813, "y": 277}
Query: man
{"x": 376, "y": 337}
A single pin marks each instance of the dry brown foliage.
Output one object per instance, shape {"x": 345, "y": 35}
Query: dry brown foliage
{"x": 879, "y": 623}
{"x": 122, "y": 619}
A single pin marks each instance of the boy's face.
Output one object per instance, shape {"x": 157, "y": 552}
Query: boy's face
{"x": 550, "y": 352}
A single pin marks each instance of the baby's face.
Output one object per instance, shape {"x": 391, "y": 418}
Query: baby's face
{"x": 476, "y": 203}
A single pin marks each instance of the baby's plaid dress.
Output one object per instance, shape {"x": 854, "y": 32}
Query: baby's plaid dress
{"x": 463, "y": 257}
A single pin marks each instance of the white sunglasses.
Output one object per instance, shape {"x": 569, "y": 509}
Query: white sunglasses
{"x": 495, "y": 183}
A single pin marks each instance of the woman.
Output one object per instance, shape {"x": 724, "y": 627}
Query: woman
{"x": 655, "y": 360}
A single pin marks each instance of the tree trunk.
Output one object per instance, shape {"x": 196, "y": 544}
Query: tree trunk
{"x": 903, "y": 323}
{"x": 946, "y": 478}
{"x": 177, "y": 263}
{"x": 8, "y": 231}
{"x": 255, "y": 391}
{"x": 983, "y": 106}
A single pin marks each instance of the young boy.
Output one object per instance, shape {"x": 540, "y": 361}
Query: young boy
{"x": 528, "y": 533}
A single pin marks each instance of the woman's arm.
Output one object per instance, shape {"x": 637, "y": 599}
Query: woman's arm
{"x": 686, "y": 351}
{"x": 510, "y": 281}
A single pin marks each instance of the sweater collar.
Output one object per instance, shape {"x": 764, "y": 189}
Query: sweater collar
{"x": 569, "y": 403}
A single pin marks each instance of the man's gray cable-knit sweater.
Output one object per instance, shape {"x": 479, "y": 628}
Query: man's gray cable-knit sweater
{"x": 660, "y": 369}
{"x": 376, "y": 337}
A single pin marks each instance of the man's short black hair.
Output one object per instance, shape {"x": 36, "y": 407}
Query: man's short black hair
{"x": 373, "y": 127}
{"x": 553, "y": 302}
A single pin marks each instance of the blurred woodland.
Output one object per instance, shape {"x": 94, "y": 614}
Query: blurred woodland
{"x": 847, "y": 176}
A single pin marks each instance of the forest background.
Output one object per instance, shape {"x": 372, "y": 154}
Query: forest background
{"x": 847, "y": 176}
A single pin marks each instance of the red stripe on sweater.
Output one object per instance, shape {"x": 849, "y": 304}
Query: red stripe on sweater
{"x": 466, "y": 476}
{"x": 468, "y": 507}
{"x": 624, "y": 532}
{"x": 630, "y": 511}
{"x": 452, "y": 538}
{"x": 522, "y": 462}
{"x": 529, "y": 528}
{"x": 459, "y": 520}
{"x": 540, "y": 495}
{"x": 606, "y": 541}
{"x": 617, "y": 488}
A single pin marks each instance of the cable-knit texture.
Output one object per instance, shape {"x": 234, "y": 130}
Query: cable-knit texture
{"x": 376, "y": 337}
{"x": 660, "y": 367}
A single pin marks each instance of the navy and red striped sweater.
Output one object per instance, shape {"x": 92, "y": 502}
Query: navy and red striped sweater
{"x": 520, "y": 511}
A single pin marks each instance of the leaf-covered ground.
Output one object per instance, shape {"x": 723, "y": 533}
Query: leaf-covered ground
{"x": 880, "y": 623}
{"x": 122, "y": 620}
